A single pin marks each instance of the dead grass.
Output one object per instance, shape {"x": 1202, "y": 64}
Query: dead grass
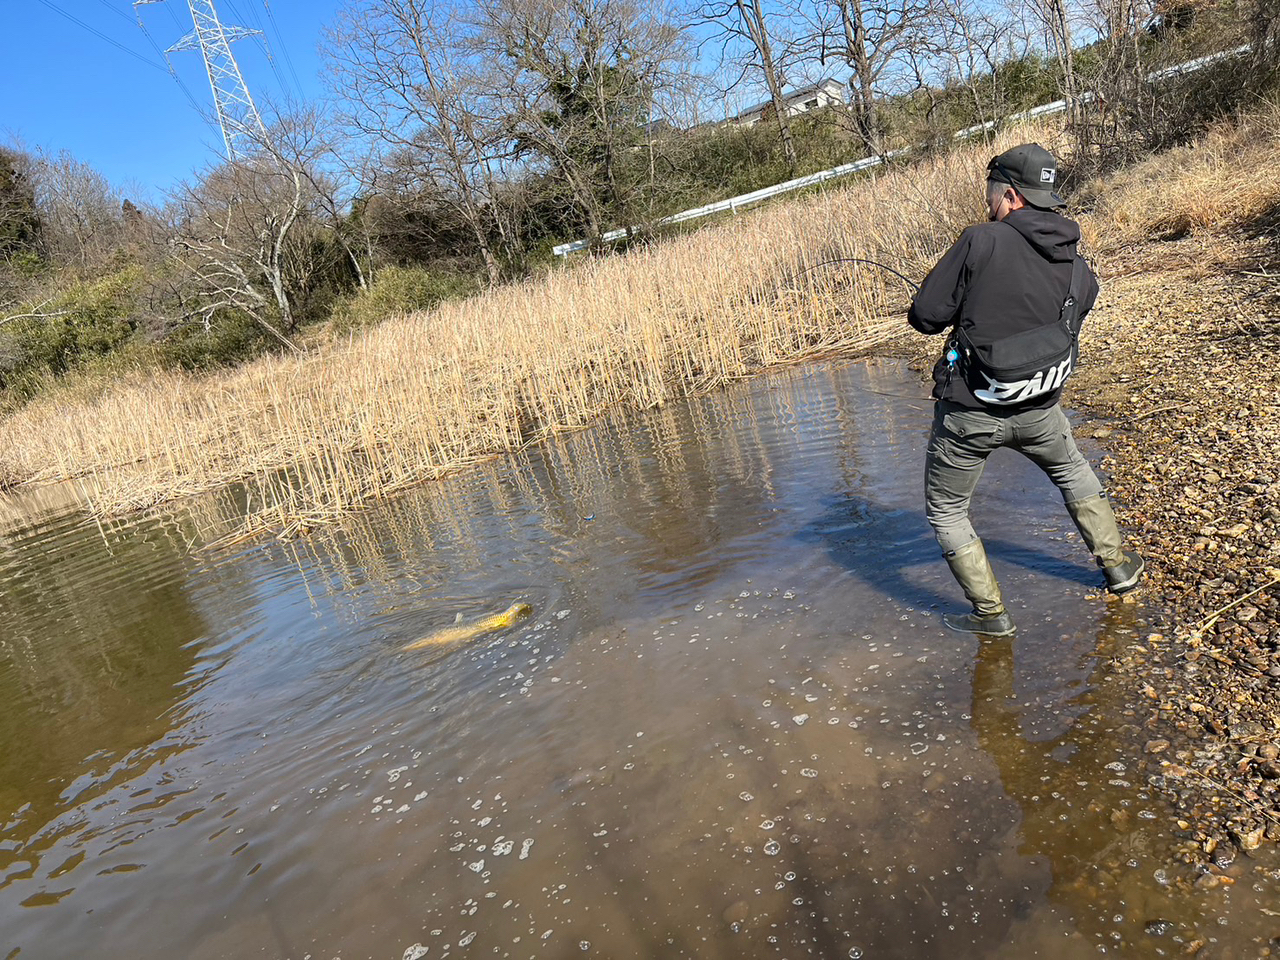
{"x": 1230, "y": 178}
{"x": 422, "y": 395}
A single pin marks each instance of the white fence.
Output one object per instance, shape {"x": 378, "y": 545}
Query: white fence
{"x": 733, "y": 203}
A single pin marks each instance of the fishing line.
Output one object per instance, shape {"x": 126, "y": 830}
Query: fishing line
{"x": 925, "y": 402}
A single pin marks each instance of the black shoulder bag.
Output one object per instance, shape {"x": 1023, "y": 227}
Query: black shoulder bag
{"x": 1018, "y": 368}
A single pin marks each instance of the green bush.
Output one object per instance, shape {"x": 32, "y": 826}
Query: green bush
{"x": 88, "y": 319}
{"x": 230, "y": 337}
{"x": 103, "y": 312}
{"x": 399, "y": 290}
{"x": 714, "y": 162}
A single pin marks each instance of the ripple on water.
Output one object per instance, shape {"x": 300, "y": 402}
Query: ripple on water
{"x": 756, "y": 561}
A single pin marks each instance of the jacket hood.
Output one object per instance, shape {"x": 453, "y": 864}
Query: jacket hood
{"x": 1053, "y": 235}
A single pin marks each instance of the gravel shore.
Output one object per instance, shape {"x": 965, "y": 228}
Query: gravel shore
{"x": 1181, "y": 386}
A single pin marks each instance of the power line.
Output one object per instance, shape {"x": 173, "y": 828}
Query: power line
{"x": 261, "y": 40}
{"x": 99, "y": 34}
{"x": 279, "y": 45}
{"x": 253, "y": 20}
{"x": 174, "y": 17}
{"x": 283, "y": 49}
{"x": 172, "y": 72}
{"x": 265, "y": 43}
{"x": 116, "y": 10}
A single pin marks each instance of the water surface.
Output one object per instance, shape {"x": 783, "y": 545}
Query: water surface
{"x": 733, "y": 726}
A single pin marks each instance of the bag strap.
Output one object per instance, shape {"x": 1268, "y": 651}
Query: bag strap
{"x": 1070, "y": 313}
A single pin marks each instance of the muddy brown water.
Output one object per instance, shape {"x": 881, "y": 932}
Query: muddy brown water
{"x": 733, "y": 726}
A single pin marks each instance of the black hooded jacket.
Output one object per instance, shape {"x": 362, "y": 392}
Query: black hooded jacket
{"x": 998, "y": 279}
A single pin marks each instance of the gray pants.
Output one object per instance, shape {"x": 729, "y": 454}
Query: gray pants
{"x": 962, "y": 440}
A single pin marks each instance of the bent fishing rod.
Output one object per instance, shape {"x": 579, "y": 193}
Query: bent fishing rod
{"x": 874, "y": 263}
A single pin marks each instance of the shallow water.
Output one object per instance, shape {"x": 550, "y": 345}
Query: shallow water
{"x": 733, "y": 726}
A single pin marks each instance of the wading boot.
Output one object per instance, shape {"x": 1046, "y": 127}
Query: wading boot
{"x": 972, "y": 571}
{"x": 1097, "y": 525}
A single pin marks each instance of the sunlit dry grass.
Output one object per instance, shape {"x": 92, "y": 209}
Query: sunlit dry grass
{"x": 421, "y": 395}
{"x": 1228, "y": 178}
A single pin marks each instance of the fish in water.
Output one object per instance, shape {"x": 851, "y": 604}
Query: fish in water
{"x": 469, "y": 631}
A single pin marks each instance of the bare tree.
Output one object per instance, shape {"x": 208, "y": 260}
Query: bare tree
{"x": 403, "y": 72}
{"x": 338, "y": 190}
{"x": 1053, "y": 17}
{"x": 249, "y": 234}
{"x": 876, "y": 39}
{"x": 744, "y": 32}
{"x": 975, "y": 41}
{"x": 1121, "y": 116}
{"x": 81, "y": 212}
{"x": 581, "y": 82}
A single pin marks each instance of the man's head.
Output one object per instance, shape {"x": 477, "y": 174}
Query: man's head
{"x": 1023, "y": 176}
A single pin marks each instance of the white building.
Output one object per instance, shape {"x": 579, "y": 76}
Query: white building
{"x": 824, "y": 93}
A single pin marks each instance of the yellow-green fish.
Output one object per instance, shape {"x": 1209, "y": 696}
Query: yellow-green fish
{"x": 469, "y": 631}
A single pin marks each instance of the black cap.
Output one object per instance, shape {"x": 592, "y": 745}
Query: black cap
{"x": 1032, "y": 171}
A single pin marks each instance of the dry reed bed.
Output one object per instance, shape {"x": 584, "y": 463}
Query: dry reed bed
{"x": 1228, "y": 179}
{"x": 423, "y": 394}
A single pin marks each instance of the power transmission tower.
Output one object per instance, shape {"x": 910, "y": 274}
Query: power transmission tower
{"x": 237, "y": 116}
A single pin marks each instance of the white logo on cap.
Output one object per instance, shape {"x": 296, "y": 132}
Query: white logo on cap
{"x": 1046, "y": 174}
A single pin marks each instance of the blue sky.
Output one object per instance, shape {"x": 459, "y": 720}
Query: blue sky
{"x": 82, "y": 76}
{"x": 67, "y": 87}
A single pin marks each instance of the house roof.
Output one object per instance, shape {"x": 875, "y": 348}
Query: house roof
{"x": 787, "y": 96}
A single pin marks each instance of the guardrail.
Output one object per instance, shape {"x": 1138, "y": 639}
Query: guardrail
{"x": 732, "y": 204}
{"x": 845, "y": 169}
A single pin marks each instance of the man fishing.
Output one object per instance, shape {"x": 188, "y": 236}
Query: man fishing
{"x": 1013, "y": 292}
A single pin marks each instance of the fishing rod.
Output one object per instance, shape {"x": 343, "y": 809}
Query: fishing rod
{"x": 875, "y": 263}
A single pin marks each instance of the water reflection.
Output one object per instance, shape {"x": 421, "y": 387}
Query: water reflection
{"x": 95, "y": 645}
{"x": 1108, "y": 843}
{"x": 732, "y": 727}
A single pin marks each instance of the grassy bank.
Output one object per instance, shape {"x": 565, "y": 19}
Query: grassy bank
{"x": 1227, "y": 180}
{"x": 424, "y": 394}
{"x": 420, "y": 395}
